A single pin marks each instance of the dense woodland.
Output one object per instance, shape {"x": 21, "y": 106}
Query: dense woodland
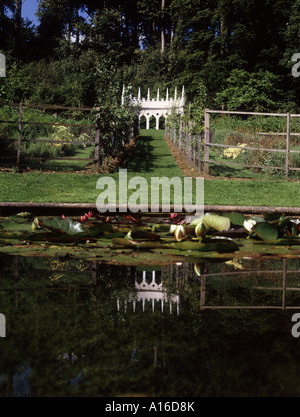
{"x": 231, "y": 54}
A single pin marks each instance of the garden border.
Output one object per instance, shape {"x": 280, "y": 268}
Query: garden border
{"x": 287, "y": 151}
{"x": 97, "y": 142}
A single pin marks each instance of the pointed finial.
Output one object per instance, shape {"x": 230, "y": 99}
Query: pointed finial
{"x": 139, "y": 93}
{"x": 175, "y": 97}
{"x": 158, "y": 94}
{"x": 167, "y": 96}
{"x": 148, "y": 98}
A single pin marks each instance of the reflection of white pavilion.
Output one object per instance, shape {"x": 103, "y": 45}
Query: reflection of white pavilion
{"x": 154, "y": 293}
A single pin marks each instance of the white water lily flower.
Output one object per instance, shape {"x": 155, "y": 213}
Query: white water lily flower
{"x": 249, "y": 224}
{"x": 173, "y": 228}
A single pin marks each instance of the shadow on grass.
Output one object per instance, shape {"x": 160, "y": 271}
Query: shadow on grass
{"x": 143, "y": 157}
{"x": 228, "y": 171}
{"x": 59, "y": 165}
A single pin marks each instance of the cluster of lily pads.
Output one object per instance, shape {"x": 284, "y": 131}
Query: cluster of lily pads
{"x": 268, "y": 228}
{"x": 176, "y": 234}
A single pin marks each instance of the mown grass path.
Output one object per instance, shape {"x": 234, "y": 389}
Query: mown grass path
{"x": 151, "y": 158}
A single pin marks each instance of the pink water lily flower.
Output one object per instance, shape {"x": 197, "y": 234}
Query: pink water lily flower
{"x": 86, "y": 216}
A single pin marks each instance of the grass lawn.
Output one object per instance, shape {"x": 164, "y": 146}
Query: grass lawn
{"x": 151, "y": 159}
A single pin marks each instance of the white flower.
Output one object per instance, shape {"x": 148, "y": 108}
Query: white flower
{"x": 249, "y": 224}
{"x": 173, "y": 228}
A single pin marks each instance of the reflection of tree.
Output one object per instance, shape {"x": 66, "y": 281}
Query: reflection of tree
{"x": 70, "y": 335}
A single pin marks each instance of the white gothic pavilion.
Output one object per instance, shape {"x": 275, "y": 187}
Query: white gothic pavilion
{"x": 157, "y": 107}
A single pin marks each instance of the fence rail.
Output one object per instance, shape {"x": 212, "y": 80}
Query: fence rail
{"x": 21, "y": 123}
{"x": 208, "y": 143}
{"x": 197, "y": 148}
{"x": 253, "y": 289}
{"x": 284, "y": 288}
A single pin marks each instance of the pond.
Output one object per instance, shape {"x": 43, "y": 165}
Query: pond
{"x": 76, "y": 327}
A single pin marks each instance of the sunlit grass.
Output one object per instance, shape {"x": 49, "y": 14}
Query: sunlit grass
{"x": 152, "y": 159}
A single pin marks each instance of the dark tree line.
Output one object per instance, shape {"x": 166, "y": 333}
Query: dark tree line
{"x": 162, "y": 43}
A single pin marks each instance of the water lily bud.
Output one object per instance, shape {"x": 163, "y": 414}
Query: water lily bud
{"x": 180, "y": 233}
{"x": 35, "y": 224}
{"x": 200, "y": 229}
{"x": 249, "y": 224}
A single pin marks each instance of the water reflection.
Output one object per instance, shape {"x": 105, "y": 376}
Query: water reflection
{"x": 76, "y": 328}
{"x": 151, "y": 291}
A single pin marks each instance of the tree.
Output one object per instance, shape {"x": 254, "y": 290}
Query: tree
{"x": 292, "y": 37}
{"x": 6, "y": 24}
{"x": 251, "y": 91}
{"x": 59, "y": 22}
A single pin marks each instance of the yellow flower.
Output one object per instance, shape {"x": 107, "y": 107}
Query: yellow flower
{"x": 234, "y": 152}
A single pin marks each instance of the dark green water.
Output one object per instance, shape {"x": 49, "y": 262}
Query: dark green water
{"x": 75, "y": 328}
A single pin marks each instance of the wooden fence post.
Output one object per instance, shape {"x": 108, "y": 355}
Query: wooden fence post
{"x": 180, "y": 134}
{"x": 194, "y": 148}
{"x": 189, "y": 143}
{"x": 19, "y": 136}
{"x": 206, "y": 142}
{"x": 284, "y": 284}
{"x": 174, "y": 134}
{"x": 199, "y": 153}
{"x": 97, "y": 149}
{"x": 202, "y": 291}
{"x": 287, "y": 146}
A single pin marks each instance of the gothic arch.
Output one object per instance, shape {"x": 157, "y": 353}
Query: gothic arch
{"x": 157, "y": 107}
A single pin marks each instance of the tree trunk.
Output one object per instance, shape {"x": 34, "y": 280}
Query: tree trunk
{"x": 163, "y": 40}
{"x": 77, "y": 26}
{"x": 18, "y": 24}
{"x": 18, "y": 14}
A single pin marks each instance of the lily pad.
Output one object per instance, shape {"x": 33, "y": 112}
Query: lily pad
{"x": 69, "y": 226}
{"x": 236, "y": 219}
{"x": 219, "y": 246}
{"x": 133, "y": 234}
{"x": 266, "y": 231}
{"x": 218, "y": 223}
